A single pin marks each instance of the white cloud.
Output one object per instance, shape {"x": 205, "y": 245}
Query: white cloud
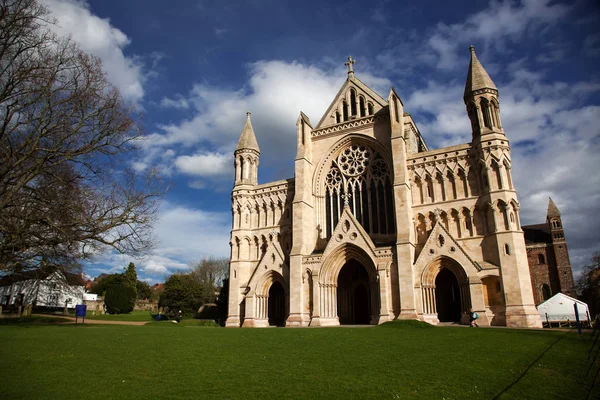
{"x": 277, "y": 91}
{"x": 98, "y": 37}
{"x": 205, "y": 164}
{"x": 178, "y": 102}
{"x": 183, "y": 235}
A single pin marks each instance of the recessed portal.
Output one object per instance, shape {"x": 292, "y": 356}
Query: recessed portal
{"x": 353, "y": 294}
{"x": 447, "y": 296}
{"x": 276, "y": 304}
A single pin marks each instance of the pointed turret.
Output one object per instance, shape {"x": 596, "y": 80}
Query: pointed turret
{"x": 481, "y": 99}
{"x": 477, "y": 77}
{"x": 552, "y": 209}
{"x": 248, "y": 138}
{"x": 246, "y": 156}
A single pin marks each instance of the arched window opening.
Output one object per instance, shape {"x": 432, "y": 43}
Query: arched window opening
{"x": 345, "y": 110}
{"x": 546, "y": 292}
{"x": 370, "y": 108}
{"x": 496, "y": 114}
{"x": 360, "y": 177}
{"x": 338, "y": 118}
{"x": 541, "y": 259}
{"x": 353, "y": 112}
{"x": 485, "y": 110}
{"x": 430, "y": 195}
{"x": 362, "y": 106}
{"x": 472, "y": 112}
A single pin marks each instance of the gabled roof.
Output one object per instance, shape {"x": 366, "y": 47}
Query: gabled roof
{"x": 247, "y": 138}
{"x": 352, "y": 81}
{"x": 477, "y": 77}
{"x": 42, "y": 274}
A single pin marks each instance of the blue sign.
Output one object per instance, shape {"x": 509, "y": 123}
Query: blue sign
{"x": 80, "y": 310}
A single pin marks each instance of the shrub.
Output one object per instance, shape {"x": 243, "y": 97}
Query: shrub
{"x": 120, "y": 299}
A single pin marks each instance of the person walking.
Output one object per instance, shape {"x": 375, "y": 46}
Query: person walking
{"x": 473, "y": 318}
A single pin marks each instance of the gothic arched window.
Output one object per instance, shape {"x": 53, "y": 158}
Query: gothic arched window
{"x": 360, "y": 177}
{"x": 546, "y": 293}
{"x": 363, "y": 111}
{"x": 485, "y": 111}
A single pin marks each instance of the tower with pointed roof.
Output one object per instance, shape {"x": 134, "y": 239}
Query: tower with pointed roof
{"x": 548, "y": 257}
{"x": 375, "y": 226}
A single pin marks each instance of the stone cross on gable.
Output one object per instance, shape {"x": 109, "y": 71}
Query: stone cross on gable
{"x": 349, "y": 65}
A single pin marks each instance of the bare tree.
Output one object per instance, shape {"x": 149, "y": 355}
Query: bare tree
{"x": 64, "y": 134}
{"x": 210, "y": 274}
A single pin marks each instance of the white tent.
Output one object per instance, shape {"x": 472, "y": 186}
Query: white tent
{"x": 560, "y": 307}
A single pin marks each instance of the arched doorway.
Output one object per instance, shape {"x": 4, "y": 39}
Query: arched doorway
{"x": 276, "y": 304}
{"x": 353, "y": 294}
{"x": 447, "y": 294}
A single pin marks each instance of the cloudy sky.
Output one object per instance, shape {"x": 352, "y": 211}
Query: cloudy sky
{"x": 193, "y": 68}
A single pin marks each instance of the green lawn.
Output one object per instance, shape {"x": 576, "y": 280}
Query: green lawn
{"x": 398, "y": 361}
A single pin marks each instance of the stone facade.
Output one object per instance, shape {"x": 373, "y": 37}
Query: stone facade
{"x": 375, "y": 226}
{"x": 548, "y": 257}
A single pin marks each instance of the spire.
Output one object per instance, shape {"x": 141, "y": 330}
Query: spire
{"x": 552, "y": 209}
{"x": 477, "y": 78}
{"x": 247, "y": 138}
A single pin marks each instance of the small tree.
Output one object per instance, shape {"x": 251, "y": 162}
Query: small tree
{"x": 143, "y": 290}
{"x": 119, "y": 299}
{"x": 102, "y": 285}
{"x": 182, "y": 292}
{"x": 210, "y": 274}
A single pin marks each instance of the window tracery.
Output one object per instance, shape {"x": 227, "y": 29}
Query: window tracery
{"x": 360, "y": 177}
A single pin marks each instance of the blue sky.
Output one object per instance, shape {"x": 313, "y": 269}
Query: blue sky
{"x": 193, "y": 69}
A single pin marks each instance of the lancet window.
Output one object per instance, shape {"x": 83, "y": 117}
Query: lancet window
{"x": 360, "y": 178}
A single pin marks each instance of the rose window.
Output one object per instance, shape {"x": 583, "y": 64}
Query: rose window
{"x": 354, "y": 160}
{"x": 359, "y": 179}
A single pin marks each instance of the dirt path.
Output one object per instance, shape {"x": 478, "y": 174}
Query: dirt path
{"x": 94, "y": 321}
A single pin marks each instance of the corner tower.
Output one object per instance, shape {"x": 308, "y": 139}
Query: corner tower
{"x": 503, "y": 243}
{"x": 247, "y": 155}
{"x": 481, "y": 99}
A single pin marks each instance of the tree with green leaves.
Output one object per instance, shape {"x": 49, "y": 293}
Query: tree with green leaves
{"x": 144, "y": 292}
{"x": 182, "y": 292}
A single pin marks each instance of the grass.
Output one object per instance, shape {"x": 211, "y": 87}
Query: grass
{"x": 397, "y": 360}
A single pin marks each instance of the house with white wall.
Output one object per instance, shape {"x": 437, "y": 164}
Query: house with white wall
{"x": 53, "y": 289}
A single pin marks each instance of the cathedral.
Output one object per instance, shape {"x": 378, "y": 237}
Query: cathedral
{"x": 375, "y": 226}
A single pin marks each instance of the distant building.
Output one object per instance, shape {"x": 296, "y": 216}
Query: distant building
{"x": 52, "y": 289}
{"x": 548, "y": 257}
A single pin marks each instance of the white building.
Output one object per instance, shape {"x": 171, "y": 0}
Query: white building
{"x": 54, "y": 289}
